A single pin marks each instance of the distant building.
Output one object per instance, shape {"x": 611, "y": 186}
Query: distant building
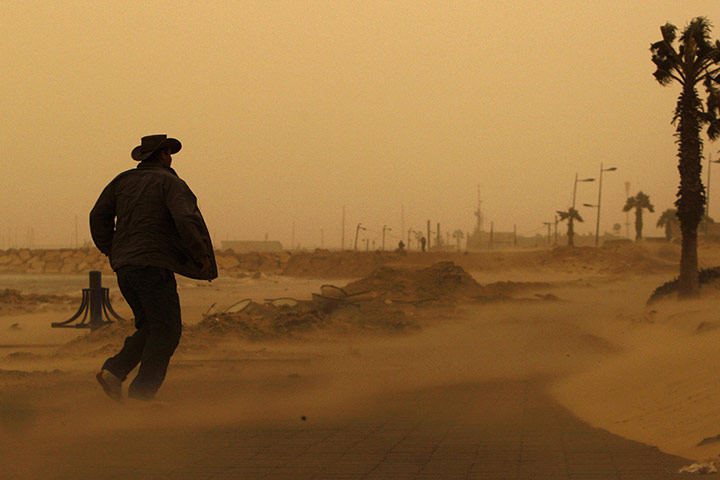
{"x": 247, "y": 246}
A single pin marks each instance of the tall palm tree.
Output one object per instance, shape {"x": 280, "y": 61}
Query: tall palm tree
{"x": 668, "y": 219}
{"x": 571, "y": 215}
{"x": 695, "y": 60}
{"x": 638, "y": 202}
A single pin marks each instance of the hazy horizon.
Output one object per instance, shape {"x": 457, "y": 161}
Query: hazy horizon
{"x": 289, "y": 111}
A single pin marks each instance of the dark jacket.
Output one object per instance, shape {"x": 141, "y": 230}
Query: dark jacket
{"x": 158, "y": 223}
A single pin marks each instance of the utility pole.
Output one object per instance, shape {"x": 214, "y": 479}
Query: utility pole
{"x": 627, "y": 214}
{"x": 548, "y": 227}
{"x": 428, "y": 235}
{"x": 292, "y": 238}
{"x": 342, "y": 237}
{"x": 597, "y": 226}
{"x": 478, "y": 214}
{"x": 357, "y": 230}
{"x": 707, "y": 194}
{"x": 439, "y": 237}
{"x": 385, "y": 227}
{"x": 492, "y": 235}
{"x": 322, "y": 238}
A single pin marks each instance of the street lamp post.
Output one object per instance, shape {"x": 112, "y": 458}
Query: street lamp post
{"x": 575, "y": 186}
{"x": 597, "y": 224}
{"x": 385, "y": 227}
{"x": 357, "y": 230}
{"x": 707, "y": 195}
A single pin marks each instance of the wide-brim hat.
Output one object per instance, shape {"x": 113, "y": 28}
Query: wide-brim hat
{"x": 152, "y": 143}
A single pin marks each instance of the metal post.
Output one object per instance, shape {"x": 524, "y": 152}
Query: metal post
{"x": 574, "y": 190}
{"x": 597, "y": 223}
{"x": 428, "y": 236}
{"x": 707, "y": 191}
{"x": 96, "y": 300}
{"x": 548, "y": 227}
{"x": 357, "y": 230}
{"x": 342, "y": 237}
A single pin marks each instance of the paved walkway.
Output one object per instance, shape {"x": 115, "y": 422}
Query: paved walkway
{"x": 491, "y": 431}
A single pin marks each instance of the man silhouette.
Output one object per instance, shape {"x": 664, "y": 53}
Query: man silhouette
{"x": 147, "y": 222}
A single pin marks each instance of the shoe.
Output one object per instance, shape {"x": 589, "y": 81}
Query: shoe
{"x": 111, "y": 384}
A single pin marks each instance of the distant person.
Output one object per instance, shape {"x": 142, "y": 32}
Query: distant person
{"x": 423, "y": 241}
{"x": 148, "y": 223}
{"x": 401, "y": 248}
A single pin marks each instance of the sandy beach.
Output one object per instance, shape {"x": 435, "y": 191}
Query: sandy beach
{"x": 642, "y": 372}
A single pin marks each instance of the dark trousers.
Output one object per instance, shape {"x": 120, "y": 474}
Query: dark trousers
{"x": 152, "y": 295}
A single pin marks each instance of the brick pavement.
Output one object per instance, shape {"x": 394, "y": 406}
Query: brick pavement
{"x": 493, "y": 431}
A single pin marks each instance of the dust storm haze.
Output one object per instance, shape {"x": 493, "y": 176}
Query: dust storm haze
{"x": 509, "y": 360}
{"x": 289, "y": 111}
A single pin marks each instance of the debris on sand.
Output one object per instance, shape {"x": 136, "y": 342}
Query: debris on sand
{"x": 384, "y": 301}
{"x": 257, "y": 321}
{"x": 706, "y": 276}
{"x": 12, "y": 300}
{"x": 391, "y": 299}
{"x": 700, "y": 468}
{"x": 441, "y": 281}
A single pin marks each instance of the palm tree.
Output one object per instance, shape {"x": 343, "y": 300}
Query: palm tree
{"x": 571, "y": 215}
{"x": 668, "y": 219}
{"x": 638, "y": 202}
{"x": 696, "y": 60}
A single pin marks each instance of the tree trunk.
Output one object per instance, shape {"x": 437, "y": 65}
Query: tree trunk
{"x": 691, "y": 193}
{"x": 689, "y": 282}
{"x": 571, "y": 233}
{"x": 638, "y": 223}
{"x": 668, "y": 231}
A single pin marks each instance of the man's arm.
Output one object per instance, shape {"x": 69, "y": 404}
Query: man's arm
{"x": 183, "y": 207}
{"x": 102, "y": 220}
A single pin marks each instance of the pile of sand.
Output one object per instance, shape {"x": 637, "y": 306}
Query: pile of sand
{"x": 10, "y": 296}
{"x": 613, "y": 257}
{"x": 388, "y": 300}
{"x": 441, "y": 281}
{"x": 261, "y": 321}
{"x": 14, "y": 301}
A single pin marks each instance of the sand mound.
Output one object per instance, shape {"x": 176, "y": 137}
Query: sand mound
{"x": 12, "y": 300}
{"x": 708, "y": 276}
{"x": 612, "y": 257}
{"x": 259, "y": 321}
{"x": 441, "y": 281}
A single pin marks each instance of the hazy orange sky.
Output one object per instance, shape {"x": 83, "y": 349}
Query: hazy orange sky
{"x": 288, "y": 110}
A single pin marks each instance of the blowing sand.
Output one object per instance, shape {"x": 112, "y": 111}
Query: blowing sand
{"x": 579, "y": 324}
